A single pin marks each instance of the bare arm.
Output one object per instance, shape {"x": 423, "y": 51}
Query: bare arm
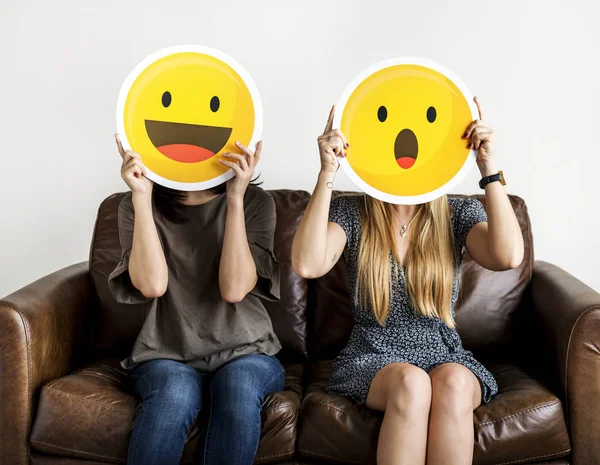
{"x": 147, "y": 264}
{"x": 318, "y": 244}
{"x": 498, "y": 244}
{"x": 237, "y": 270}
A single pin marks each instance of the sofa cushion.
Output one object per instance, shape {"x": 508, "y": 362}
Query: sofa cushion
{"x": 117, "y": 325}
{"x": 523, "y": 422}
{"x": 90, "y": 415}
{"x": 485, "y": 310}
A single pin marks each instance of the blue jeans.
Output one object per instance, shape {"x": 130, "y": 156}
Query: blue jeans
{"x": 172, "y": 395}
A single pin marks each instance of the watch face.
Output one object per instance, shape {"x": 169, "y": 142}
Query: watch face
{"x": 502, "y": 181}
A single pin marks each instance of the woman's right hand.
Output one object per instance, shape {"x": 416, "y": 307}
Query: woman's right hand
{"x": 332, "y": 144}
{"x": 133, "y": 171}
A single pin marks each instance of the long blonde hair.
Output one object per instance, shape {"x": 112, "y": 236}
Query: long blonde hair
{"x": 429, "y": 263}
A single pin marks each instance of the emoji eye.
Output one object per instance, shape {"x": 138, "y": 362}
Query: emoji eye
{"x": 382, "y": 113}
{"x": 166, "y": 99}
{"x": 431, "y": 114}
{"x": 215, "y": 104}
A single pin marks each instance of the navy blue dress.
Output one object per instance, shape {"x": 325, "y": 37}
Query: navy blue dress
{"x": 406, "y": 336}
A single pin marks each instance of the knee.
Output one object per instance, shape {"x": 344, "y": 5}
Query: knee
{"x": 453, "y": 389}
{"x": 174, "y": 385}
{"x": 235, "y": 400}
{"x": 248, "y": 376}
{"x": 408, "y": 390}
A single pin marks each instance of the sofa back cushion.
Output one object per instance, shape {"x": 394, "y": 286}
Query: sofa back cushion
{"x": 484, "y": 312}
{"x": 116, "y": 325}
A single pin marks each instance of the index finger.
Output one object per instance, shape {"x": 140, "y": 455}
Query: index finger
{"x": 329, "y": 124}
{"x": 479, "y": 107}
{"x": 258, "y": 151}
{"x": 120, "y": 146}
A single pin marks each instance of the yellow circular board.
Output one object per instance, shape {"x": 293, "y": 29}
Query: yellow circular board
{"x": 182, "y": 107}
{"x": 404, "y": 119}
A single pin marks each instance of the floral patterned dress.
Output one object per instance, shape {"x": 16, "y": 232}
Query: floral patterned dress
{"x": 406, "y": 336}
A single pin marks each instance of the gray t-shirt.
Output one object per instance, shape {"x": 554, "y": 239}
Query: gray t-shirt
{"x": 191, "y": 323}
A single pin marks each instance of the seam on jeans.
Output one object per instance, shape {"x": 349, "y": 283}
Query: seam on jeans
{"x": 91, "y": 454}
{"x": 273, "y": 378}
{"x": 137, "y": 432}
{"x": 545, "y": 406}
{"x": 538, "y": 457}
{"x": 210, "y": 412}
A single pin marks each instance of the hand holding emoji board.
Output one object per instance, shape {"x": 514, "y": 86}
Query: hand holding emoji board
{"x": 181, "y": 108}
{"x": 404, "y": 119}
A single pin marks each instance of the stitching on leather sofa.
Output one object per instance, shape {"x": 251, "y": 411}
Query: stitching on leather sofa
{"x": 28, "y": 341}
{"x": 329, "y": 456}
{"x": 83, "y": 400}
{"x": 539, "y": 407}
{"x": 89, "y": 454}
{"x": 585, "y": 312}
{"x": 323, "y": 404}
{"x": 535, "y": 458}
{"x": 272, "y": 456}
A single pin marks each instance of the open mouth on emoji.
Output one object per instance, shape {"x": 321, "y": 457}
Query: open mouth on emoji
{"x": 187, "y": 143}
{"x": 406, "y": 148}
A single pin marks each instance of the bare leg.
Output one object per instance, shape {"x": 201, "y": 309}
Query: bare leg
{"x": 403, "y": 392}
{"x": 456, "y": 393}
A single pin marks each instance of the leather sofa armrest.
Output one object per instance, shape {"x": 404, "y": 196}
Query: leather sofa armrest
{"x": 42, "y": 334}
{"x": 569, "y": 313}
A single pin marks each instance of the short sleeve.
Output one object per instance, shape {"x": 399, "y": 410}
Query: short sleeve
{"x": 344, "y": 210}
{"x": 261, "y": 220}
{"x": 466, "y": 213}
{"x": 119, "y": 281}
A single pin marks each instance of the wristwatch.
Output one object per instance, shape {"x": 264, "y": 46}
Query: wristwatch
{"x": 499, "y": 176}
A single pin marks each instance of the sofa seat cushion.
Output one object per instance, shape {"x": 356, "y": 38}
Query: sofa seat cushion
{"x": 523, "y": 423}
{"x": 90, "y": 415}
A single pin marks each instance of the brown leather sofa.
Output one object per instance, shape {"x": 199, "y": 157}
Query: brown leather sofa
{"x": 65, "y": 400}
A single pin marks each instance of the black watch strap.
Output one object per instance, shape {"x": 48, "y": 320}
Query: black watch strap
{"x": 499, "y": 176}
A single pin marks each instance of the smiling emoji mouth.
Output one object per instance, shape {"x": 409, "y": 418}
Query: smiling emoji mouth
{"x": 406, "y": 148}
{"x": 187, "y": 143}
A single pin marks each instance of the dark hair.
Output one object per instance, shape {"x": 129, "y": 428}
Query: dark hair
{"x": 168, "y": 202}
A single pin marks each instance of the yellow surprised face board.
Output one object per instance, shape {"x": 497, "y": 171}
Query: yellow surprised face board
{"x": 404, "y": 120}
{"x": 181, "y": 108}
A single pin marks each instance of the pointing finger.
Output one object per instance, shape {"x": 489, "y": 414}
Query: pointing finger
{"x": 479, "y": 107}
{"x": 258, "y": 151}
{"x": 329, "y": 124}
{"x": 119, "y": 146}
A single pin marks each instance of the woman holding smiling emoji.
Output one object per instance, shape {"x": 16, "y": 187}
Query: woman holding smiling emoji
{"x": 404, "y": 356}
{"x": 200, "y": 261}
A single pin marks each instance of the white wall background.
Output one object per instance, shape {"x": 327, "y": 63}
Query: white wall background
{"x": 534, "y": 63}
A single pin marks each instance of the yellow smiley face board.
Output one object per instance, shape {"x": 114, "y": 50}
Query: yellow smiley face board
{"x": 181, "y": 108}
{"x": 404, "y": 120}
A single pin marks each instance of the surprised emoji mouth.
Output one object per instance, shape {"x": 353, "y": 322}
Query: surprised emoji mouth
{"x": 406, "y": 149}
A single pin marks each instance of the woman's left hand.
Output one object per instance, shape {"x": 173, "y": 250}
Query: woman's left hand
{"x": 243, "y": 167}
{"x": 481, "y": 139}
